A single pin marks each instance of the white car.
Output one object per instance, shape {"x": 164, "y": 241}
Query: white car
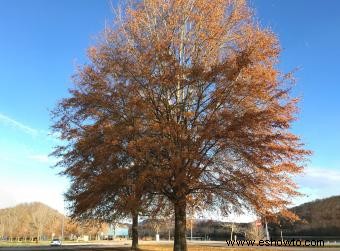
{"x": 55, "y": 242}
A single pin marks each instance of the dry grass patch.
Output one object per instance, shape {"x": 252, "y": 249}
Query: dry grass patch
{"x": 190, "y": 248}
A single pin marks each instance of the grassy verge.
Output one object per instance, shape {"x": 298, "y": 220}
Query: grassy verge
{"x": 170, "y": 248}
{"x": 210, "y": 248}
{"x": 29, "y": 243}
{"x": 22, "y": 243}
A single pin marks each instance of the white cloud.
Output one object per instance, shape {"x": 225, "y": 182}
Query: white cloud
{"x": 329, "y": 175}
{"x": 6, "y": 198}
{"x": 315, "y": 176}
{"x": 42, "y": 158}
{"x": 51, "y": 136}
{"x": 15, "y": 124}
{"x": 41, "y": 136}
{"x": 232, "y": 217}
{"x": 318, "y": 183}
{"x": 25, "y": 173}
{"x": 49, "y": 193}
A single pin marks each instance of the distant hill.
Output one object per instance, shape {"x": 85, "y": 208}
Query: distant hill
{"x": 29, "y": 220}
{"x": 318, "y": 218}
{"x": 37, "y": 221}
{"x": 28, "y": 209}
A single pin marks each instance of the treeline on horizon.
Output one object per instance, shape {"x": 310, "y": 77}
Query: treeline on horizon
{"x": 36, "y": 221}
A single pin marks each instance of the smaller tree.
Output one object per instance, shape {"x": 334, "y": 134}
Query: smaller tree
{"x": 156, "y": 225}
{"x": 255, "y": 232}
{"x": 230, "y": 226}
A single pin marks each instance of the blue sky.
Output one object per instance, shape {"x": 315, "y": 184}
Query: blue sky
{"x": 42, "y": 43}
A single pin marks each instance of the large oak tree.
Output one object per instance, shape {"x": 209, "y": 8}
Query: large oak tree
{"x": 189, "y": 91}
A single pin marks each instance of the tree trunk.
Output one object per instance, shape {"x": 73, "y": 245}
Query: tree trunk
{"x": 180, "y": 242}
{"x": 134, "y": 230}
